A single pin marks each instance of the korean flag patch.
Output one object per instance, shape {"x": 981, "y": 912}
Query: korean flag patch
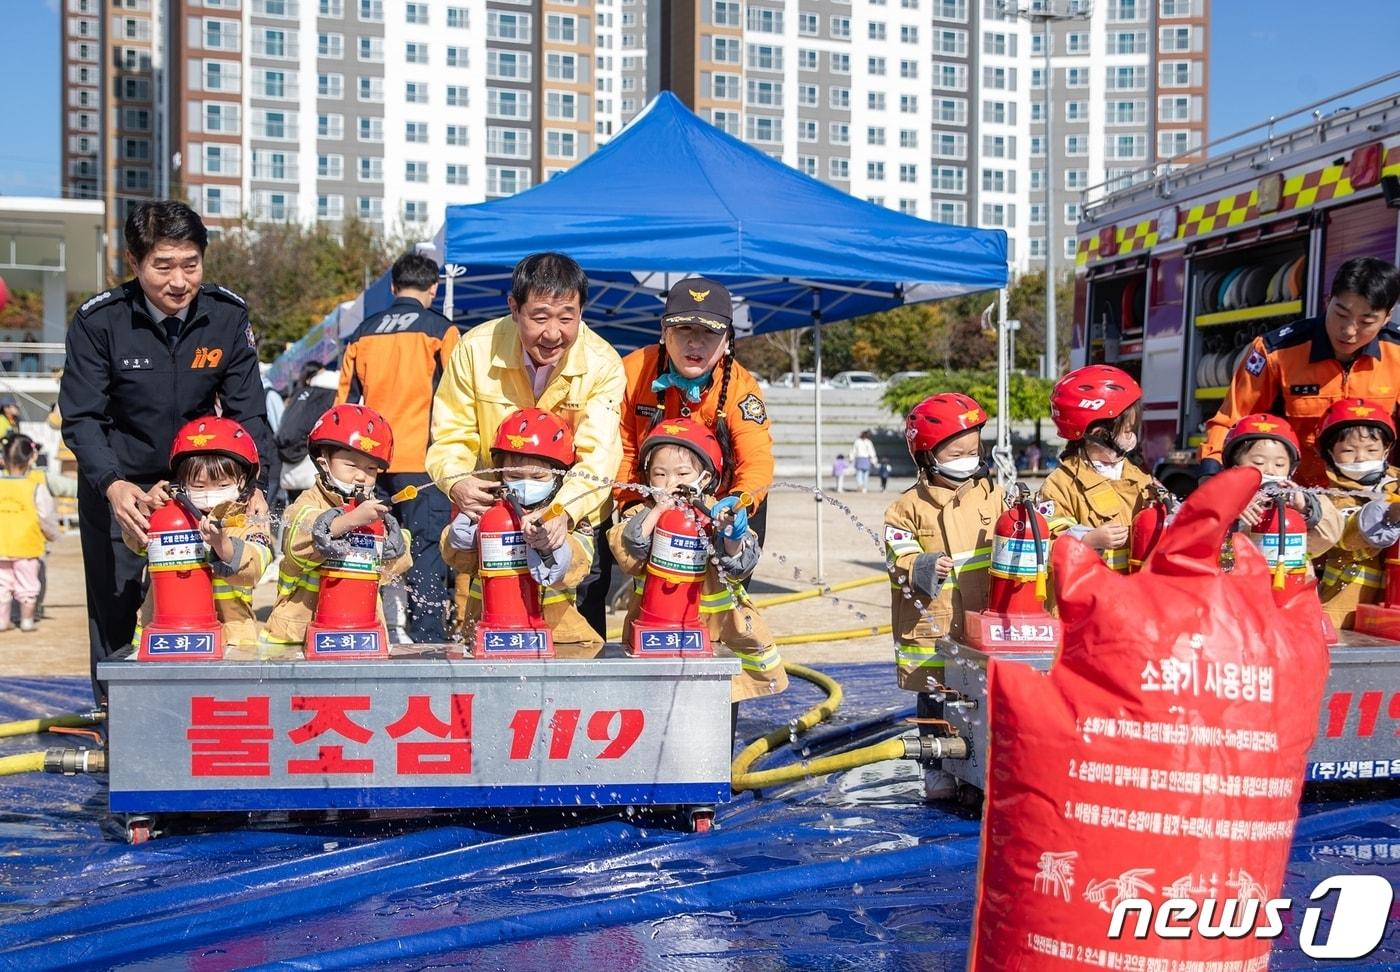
{"x": 1046, "y": 507}
{"x": 896, "y": 535}
{"x": 1254, "y": 364}
{"x": 752, "y": 409}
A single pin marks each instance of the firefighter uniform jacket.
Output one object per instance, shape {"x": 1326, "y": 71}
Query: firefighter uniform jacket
{"x": 573, "y": 636}
{"x": 233, "y": 581}
{"x": 393, "y": 363}
{"x": 934, "y": 519}
{"x": 1292, "y": 371}
{"x": 125, "y": 393}
{"x": 744, "y": 410}
{"x": 486, "y": 380}
{"x": 299, "y": 576}
{"x": 1354, "y": 571}
{"x": 725, "y": 610}
{"x": 1074, "y": 494}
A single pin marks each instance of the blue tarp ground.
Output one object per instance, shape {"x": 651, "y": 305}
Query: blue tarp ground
{"x": 850, "y": 871}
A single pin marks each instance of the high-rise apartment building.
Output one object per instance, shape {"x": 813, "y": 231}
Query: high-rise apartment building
{"x": 392, "y": 109}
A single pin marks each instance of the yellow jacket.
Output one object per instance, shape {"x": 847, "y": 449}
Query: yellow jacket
{"x": 935, "y": 519}
{"x": 725, "y": 609}
{"x": 573, "y": 636}
{"x": 233, "y": 582}
{"x": 299, "y": 577}
{"x": 1353, "y": 572}
{"x": 1074, "y": 494}
{"x": 486, "y": 380}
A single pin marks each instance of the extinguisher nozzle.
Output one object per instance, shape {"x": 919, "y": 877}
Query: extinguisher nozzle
{"x": 1279, "y": 573}
{"x": 1040, "y": 586}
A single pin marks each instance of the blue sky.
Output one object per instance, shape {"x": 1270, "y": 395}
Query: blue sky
{"x": 1267, "y": 56}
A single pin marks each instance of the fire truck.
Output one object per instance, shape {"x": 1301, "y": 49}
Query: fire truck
{"x": 1179, "y": 269}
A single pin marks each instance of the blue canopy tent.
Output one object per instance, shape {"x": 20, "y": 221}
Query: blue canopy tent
{"x": 672, "y": 195}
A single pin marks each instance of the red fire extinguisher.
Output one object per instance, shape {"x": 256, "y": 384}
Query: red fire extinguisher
{"x": 1015, "y": 616}
{"x": 668, "y": 619}
{"x": 347, "y": 625}
{"x": 184, "y": 626}
{"x": 1282, "y": 535}
{"x": 512, "y": 621}
{"x": 1147, "y": 529}
{"x": 1383, "y": 619}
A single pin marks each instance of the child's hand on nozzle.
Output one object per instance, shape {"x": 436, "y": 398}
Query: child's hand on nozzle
{"x": 1297, "y": 501}
{"x": 212, "y": 531}
{"x": 160, "y": 493}
{"x": 545, "y": 536}
{"x": 367, "y": 512}
{"x": 943, "y": 566}
{"x": 1107, "y": 537}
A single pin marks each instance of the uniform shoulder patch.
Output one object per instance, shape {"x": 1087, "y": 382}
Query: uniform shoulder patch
{"x": 1254, "y": 364}
{"x": 99, "y": 300}
{"x": 1291, "y": 335}
{"x": 751, "y": 407}
{"x": 894, "y": 534}
{"x": 1390, "y": 333}
{"x": 249, "y": 336}
{"x": 1046, "y": 507}
{"x": 225, "y": 293}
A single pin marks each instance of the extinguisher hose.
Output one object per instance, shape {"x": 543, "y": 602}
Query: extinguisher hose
{"x": 69, "y": 720}
{"x": 1031, "y": 517}
{"x": 1280, "y": 567}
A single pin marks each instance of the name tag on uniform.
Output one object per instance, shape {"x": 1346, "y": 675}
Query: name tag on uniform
{"x": 136, "y": 364}
{"x": 1304, "y": 389}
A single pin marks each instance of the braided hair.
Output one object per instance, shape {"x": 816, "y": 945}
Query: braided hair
{"x": 721, "y": 429}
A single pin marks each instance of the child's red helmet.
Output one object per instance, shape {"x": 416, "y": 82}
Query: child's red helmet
{"x": 535, "y": 432}
{"x": 1085, "y": 396}
{"x": 354, "y": 427}
{"x": 938, "y": 418}
{"x": 1343, "y": 414}
{"x": 688, "y": 434}
{"x": 214, "y": 435}
{"x": 1258, "y": 426}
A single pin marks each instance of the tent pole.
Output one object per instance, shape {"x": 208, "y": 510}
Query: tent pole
{"x": 1001, "y": 455}
{"x": 817, "y": 408}
{"x": 449, "y": 271}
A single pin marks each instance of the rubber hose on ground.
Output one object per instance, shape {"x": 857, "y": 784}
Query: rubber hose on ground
{"x": 756, "y": 750}
{"x": 776, "y": 599}
{"x": 28, "y": 727}
{"x": 22, "y": 763}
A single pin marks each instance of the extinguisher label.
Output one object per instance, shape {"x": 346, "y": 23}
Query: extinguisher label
{"x": 676, "y": 553}
{"x": 503, "y": 551}
{"x": 1017, "y": 558}
{"x": 1295, "y": 553}
{"x": 364, "y": 556}
{"x": 176, "y": 549}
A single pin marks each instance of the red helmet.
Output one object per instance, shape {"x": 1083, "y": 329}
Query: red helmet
{"x": 938, "y": 418}
{"x": 354, "y": 427}
{"x": 1097, "y": 393}
{"x": 535, "y": 432}
{"x": 1258, "y": 426}
{"x": 1353, "y": 411}
{"x": 214, "y": 436}
{"x": 688, "y": 434}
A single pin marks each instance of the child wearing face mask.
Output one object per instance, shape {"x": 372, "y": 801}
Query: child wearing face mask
{"x": 1098, "y": 487}
{"x": 532, "y": 450}
{"x": 350, "y": 445}
{"x": 1269, "y": 444}
{"x": 938, "y": 547}
{"x": 1354, "y": 438}
{"x": 215, "y": 465}
{"x": 683, "y": 461}
{"x": 27, "y": 520}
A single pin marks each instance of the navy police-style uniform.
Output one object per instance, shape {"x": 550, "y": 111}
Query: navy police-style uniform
{"x": 129, "y": 383}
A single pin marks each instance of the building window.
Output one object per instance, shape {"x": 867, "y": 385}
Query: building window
{"x": 1127, "y": 9}
{"x": 875, "y": 171}
{"x": 909, "y": 104}
{"x": 994, "y": 112}
{"x": 1175, "y": 39}
{"x": 1076, "y": 77}
{"x": 415, "y": 211}
{"x": 1127, "y": 78}
{"x": 765, "y": 20}
{"x": 949, "y": 145}
{"x": 806, "y": 60}
{"x": 908, "y": 138}
{"x": 330, "y": 126}
{"x": 508, "y": 27}
{"x": 726, "y": 87}
{"x": 764, "y": 128}
{"x": 1076, "y": 111}
{"x": 509, "y": 143}
{"x": 561, "y": 67}
{"x": 370, "y": 207}
{"x": 457, "y": 17}
{"x": 949, "y": 178}
{"x": 875, "y": 30}
{"x": 330, "y": 45}
{"x": 839, "y": 169}
{"x": 457, "y": 96}
{"x": 875, "y": 100}
{"x": 1129, "y": 42}
{"x": 909, "y": 34}
{"x": 839, "y": 98}
{"x": 807, "y": 95}
{"x": 950, "y": 111}
{"x": 952, "y": 213}
{"x": 908, "y": 172}
{"x": 726, "y": 13}
{"x": 840, "y": 29}
{"x": 1076, "y": 144}
{"x": 1076, "y": 179}
{"x": 1037, "y": 214}
{"x": 1176, "y": 108}
{"x": 950, "y": 10}
{"x": 507, "y": 103}
{"x": 415, "y": 171}
{"x": 416, "y": 132}
{"x": 223, "y": 118}
{"x": 372, "y": 11}
{"x": 725, "y": 50}
{"x": 806, "y": 130}
{"x": 807, "y": 165}
{"x": 371, "y": 129}
{"x": 563, "y": 105}
{"x": 457, "y": 57}
{"x": 416, "y": 13}
{"x": 371, "y": 169}
{"x": 1127, "y": 112}
{"x": 371, "y": 89}
{"x": 998, "y": 214}
{"x": 561, "y": 28}
{"x": 372, "y": 49}
{"x": 1176, "y": 143}
{"x": 330, "y": 86}
{"x": 840, "y": 63}
{"x": 415, "y": 93}
{"x": 726, "y": 121}
{"x": 332, "y": 8}
{"x": 508, "y": 65}
{"x": 1175, "y": 74}
{"x": 506, "y": 180}
{"x": 999, "y": 146}
{"x": 808, "y": 24}
{"x": 838, "y": 133}
{"x": 221, "y": 160}
{"x": 456, "y": 174}
{"x": 415, "y": 53}
{"x": 270, "y": 42}
{"x": 561, "y": 144}
{"x": 330, "y": 207}
{"x": 330, "y": 166}
{"x": 875, "y": 135}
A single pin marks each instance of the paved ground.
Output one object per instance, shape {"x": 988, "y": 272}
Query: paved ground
{"x": 59, "y": 646}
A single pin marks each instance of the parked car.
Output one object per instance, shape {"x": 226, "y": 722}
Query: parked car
{"x": 856, "y": 379}
{"x": 805, "y": 379}
{"x": 899, "y": 376}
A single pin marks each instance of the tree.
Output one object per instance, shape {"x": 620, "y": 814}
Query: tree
{"x": 1028, "y": 397}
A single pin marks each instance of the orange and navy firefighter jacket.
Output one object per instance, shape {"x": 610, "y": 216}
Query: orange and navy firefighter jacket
{"x": 725, "y": 609}
{"x": 305, "y": 549}
{"x": 959, "y": 523}
{"x": 233, "y": 581}
{"x": 1353, "y": 571}
{"x": 573, "y": 636}
{"x": 392, "y": 364}
{"x": 1074, "y": 494}
{"x": 1292, "y": 371}
{"x": 744, "y": 409}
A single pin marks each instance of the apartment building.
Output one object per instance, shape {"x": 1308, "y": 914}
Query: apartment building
{"x": 392, "y": 109}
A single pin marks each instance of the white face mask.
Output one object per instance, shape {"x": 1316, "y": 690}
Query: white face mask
{"x": 1108, "y": 470}
{"x": 1361, "y": 471}
{"x": 958, "y": 469}
{"x": 1127, "y": 442}
{"x": 531, "y": 492}
{"x": 208, "y": 499}
{"x": 342, "y": 487}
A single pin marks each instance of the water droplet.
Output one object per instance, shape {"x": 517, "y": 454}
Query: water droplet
{"x": 857, "y": 889}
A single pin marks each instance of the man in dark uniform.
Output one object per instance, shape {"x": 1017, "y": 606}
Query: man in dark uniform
{"x": 142, "y": 359}
{"x": 392, "y": 364}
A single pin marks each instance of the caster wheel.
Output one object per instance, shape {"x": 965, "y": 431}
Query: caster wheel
{"x": 702, "y": 821}
{"x": 138, "y": 832}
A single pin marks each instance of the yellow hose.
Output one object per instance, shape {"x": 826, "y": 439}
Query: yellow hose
{"x": 842, "y": 635}
{"x": 777, "y": 599}
{"x": 27, "y": 727}
{"x": 22, "y": 763}
{"x": 741, "y": 778}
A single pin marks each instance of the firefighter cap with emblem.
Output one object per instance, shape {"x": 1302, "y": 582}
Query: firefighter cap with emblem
{"x": 1260, "y": 425}
{"x": 214, "y": 435}
{"x": 688, "y": 433}
{"x": 696, "y": 300}
{"x": 536, "y": 433}
{"x": 1348, "y": 412}
{"x": 354, "y": 427}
